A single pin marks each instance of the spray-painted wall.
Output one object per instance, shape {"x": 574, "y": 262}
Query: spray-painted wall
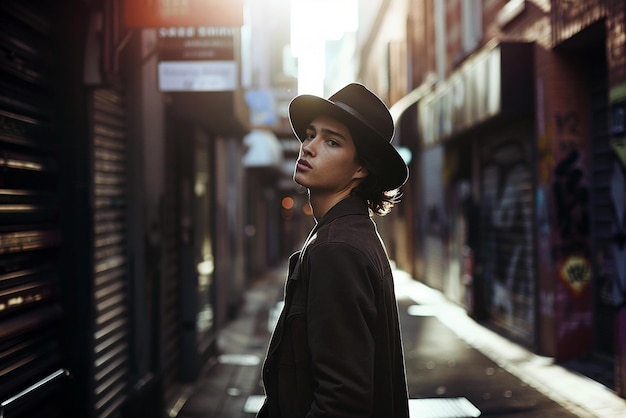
{"x": 506, "y": 220}
{"x": 562, "y": 117}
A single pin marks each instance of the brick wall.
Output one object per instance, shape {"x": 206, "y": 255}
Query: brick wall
{"x": 454, "y": 34}
{"x": 571, "y": 17}
{"x": 421, "y": 40}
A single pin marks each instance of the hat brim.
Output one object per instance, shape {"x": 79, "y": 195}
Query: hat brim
{"x": 304, "y": 108}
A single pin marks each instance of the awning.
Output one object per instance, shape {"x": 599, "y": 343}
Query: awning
{"x": 496, "y": 81}
{"x": 399, "y": 107}
{"x": 404, "y": 115}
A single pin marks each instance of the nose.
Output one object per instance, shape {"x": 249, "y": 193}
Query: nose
{"x": 308, "y": 146}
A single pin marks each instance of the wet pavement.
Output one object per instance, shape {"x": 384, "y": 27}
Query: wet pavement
{"x": 455, "y": 366}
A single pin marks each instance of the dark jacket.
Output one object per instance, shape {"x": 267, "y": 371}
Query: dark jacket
{"x": 336, "y": 350}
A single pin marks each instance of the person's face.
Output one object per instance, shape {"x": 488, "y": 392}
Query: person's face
{"x": 327, "y": 161}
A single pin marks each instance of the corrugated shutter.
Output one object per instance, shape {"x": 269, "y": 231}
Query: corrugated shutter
{"x": 506, "y": 233}
{"x": 111, "y": 327}
{"x": 171, "y": 292}
{"x": 604, "y": 166}
{"x": 30, "y": 239}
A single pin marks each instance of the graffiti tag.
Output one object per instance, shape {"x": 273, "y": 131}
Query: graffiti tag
{"x": 576, "y": 272}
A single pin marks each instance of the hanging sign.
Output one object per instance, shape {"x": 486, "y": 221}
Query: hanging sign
{"x": 197, "y": 76}
{"x": 197, "y": 59}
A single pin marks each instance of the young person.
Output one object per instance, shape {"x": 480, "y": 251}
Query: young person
{"x": 336, "y": 350}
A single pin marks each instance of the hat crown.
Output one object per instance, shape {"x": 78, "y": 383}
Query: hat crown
{"x": 366, "y": 107}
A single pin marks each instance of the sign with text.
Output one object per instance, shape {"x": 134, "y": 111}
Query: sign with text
{"x": 196, "y": 44}
{"x": 158, "y": 13}
{"x": 197, "y": 59}
{"x": 181, "y": 76}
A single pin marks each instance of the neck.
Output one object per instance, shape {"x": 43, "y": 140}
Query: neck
{"x": 321, "y": 203}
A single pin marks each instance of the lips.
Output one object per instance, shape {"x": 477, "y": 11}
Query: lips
{"x": 304, "y": 163}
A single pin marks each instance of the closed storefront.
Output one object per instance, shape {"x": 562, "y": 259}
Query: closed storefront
{"x": 607, "y": 179}
{"x": 110, "y": 340}
{"x": 107, "y": 238}
{"x": 478, "y": 189}
{"x": 31, "y": 313}
{"x": 64, "y": 296}
{"x": 506, "y": 243}
{"x": 171, "y": 291}
{"x": 489, "y": 258}
{"x": 607, "y": 212}
{"x": 607, "y": 184}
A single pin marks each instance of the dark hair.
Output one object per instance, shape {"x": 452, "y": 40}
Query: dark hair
{"x": 379, "y": 200}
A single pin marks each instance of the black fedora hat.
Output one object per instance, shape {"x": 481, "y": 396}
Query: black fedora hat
{"x": 370, "y": 120}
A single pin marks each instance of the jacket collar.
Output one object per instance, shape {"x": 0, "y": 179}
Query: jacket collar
{"x": 351, "y": 205}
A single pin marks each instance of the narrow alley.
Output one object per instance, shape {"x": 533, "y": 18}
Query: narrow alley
{"x": 455, "y": 366}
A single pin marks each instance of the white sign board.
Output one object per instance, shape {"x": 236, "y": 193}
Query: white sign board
{"x": 181, "y": 76}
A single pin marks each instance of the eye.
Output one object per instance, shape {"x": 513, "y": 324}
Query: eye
{"x": 332, "y": 142}
{"x": 309, "y": 135}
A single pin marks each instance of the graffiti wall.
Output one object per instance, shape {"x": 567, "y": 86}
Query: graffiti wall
{"x": 563, "y": 237}
{"x": 506, "y": 211}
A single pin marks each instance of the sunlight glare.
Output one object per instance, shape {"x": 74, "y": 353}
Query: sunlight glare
{"x": 313, "y": 22}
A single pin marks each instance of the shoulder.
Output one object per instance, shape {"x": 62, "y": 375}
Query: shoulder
{"x": 351, "y": 229}
{"x": 350, "y": 240}
{"x": 347, "y": 234}
{"x": 332, "y": 251}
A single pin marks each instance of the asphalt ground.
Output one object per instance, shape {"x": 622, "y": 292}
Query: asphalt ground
{"x": 456, "y": 367}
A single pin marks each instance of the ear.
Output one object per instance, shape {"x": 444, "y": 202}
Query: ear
{"x": 361, "y": 172}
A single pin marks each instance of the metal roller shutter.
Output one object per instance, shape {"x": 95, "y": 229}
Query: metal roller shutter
{"x": 605, "y": 175}
{"x": 171, "y": 292}
{"x": 111, "y": 327}
{"x": 506, "y": 236}
{"x": 30, "y": 310}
